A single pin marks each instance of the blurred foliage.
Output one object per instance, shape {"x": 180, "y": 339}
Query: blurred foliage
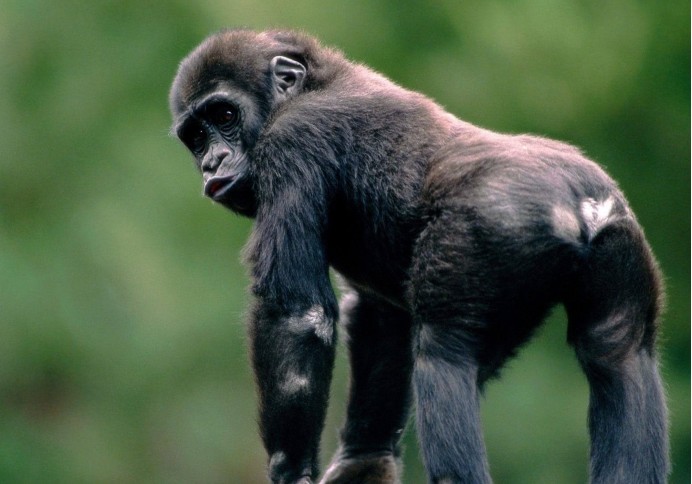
{"x": 122, "y": 348}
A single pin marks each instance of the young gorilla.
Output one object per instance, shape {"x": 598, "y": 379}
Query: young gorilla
{"x": 454, "y": 242}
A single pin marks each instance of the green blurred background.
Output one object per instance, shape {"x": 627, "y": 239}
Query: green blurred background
{"x": 122, "y": 345}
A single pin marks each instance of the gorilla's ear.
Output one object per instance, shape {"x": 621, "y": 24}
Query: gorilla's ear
{"x": 288, "y": 76}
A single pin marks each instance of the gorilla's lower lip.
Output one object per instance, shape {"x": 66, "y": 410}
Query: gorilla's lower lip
{"x": 216, "y": 187}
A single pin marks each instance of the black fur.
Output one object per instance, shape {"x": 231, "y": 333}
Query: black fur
{"x": 454, "y": 243}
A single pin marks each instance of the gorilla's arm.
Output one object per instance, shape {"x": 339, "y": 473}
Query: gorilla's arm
{"x": 292, "y": 324}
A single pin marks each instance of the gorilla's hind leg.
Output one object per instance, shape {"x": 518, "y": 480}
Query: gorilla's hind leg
{"x": 612, "y": 324}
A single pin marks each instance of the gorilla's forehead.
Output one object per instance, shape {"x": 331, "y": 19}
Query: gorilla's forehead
{"x": 238, "y": 58}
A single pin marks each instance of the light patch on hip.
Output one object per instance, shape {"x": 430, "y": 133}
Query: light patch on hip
{"x": 565, "y": 222}
{"x": 596, "y": 213}
{"x": 314, "y": 320}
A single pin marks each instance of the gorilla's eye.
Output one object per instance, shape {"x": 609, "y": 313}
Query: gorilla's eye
{"x": 223, "y": 115}
{"x": 195, "y": 137}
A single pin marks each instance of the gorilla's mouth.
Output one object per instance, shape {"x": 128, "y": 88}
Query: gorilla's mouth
{"x": 218, "y": 186}
{"x": 232, "y": 192}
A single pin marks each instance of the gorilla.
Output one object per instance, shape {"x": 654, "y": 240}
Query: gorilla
{"x": 453, "y": 243}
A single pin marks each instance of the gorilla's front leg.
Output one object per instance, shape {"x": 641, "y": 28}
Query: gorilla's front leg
{"x": 376, "y": 468}
{"x": 293, "y": 357}
{"x": 379, "y": 342}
